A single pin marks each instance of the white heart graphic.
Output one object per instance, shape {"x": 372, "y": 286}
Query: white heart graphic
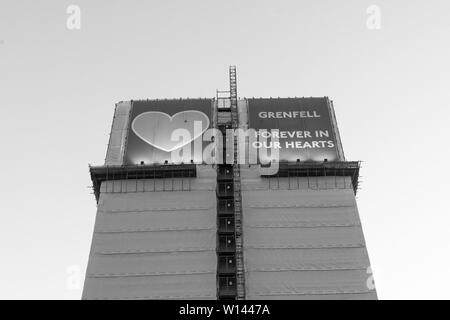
{"x": 155, "y": 127}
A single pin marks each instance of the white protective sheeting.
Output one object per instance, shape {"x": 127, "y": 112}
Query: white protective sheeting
{"x": 155, "y": 244}
{"x": 116, "y": 145}
{"x": 242, "y": 107}
{"x": 191, "y": 286}
{"x": 303, "y": 239}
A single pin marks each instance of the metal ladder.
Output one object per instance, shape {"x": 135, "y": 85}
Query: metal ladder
{"x": 240, "y": 271}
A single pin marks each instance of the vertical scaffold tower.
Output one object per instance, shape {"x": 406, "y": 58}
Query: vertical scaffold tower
{"x": 240, "y": 272}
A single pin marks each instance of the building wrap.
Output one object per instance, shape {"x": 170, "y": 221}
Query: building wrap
{"x": 226, "y": 230}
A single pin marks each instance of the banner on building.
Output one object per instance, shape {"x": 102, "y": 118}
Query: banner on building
{"x": 161, "y": 129}
{"x": 293, "y": 128}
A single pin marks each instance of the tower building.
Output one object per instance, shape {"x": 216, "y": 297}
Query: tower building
{"x": 227, "y": 198}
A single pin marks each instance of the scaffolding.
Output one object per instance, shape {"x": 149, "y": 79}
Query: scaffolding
{"x": 240, "y": 271}
{"x": 128, "y": 175}
{"x": 230, "y": 272}
{"x": 309, "y": 170}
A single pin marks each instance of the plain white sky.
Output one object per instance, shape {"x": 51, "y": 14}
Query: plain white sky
{"x": 58, "y": 88}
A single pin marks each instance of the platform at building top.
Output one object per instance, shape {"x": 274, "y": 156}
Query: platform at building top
{"x": 100, "y": 174}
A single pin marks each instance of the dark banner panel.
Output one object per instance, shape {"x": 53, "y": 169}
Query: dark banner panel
{"x": 155, "y": 127}
{"x": 305, "y": 129}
